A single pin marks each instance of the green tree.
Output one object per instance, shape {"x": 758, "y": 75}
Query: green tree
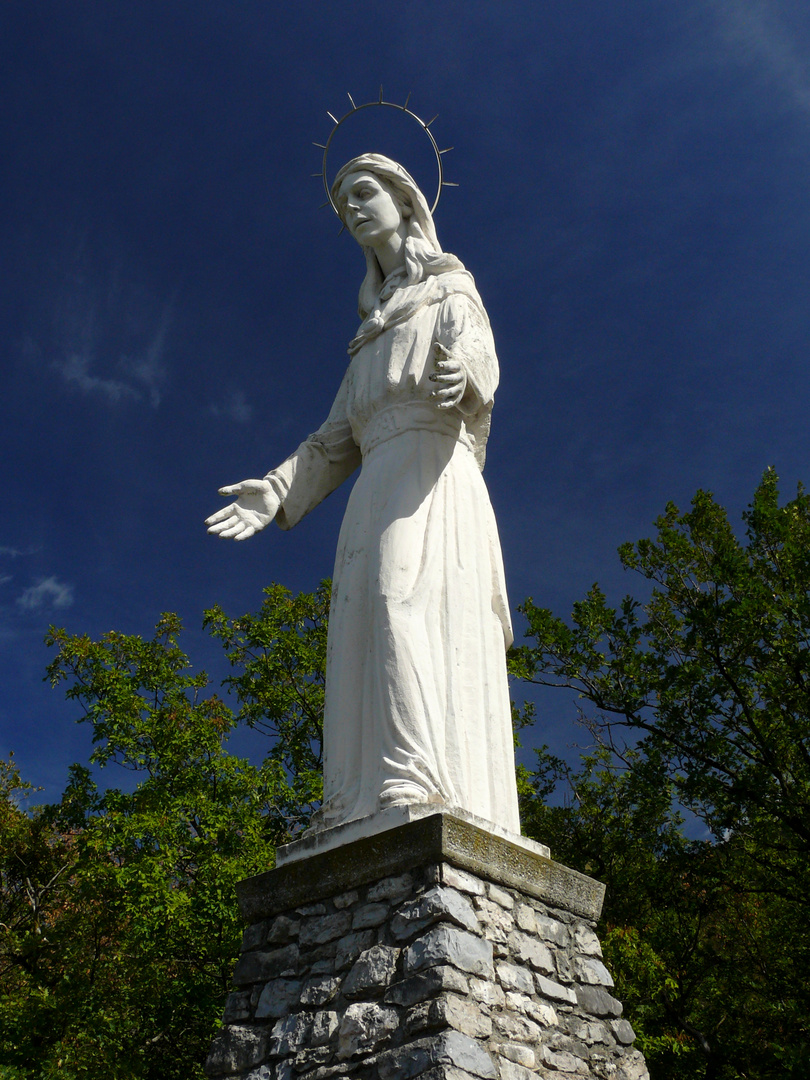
{"x": 699, "y": 696}
{"x": 120, "y": 923}
{"x": 280, "y": 655}
{"x": 35, "y": 864}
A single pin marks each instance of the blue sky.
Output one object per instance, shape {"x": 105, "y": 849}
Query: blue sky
{"x": 175, "y": 307}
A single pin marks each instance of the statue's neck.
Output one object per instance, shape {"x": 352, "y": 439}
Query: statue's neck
{"x": 391, "y": 252}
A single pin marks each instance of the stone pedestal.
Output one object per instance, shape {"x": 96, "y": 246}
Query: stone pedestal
{"x": 435, "y": 949}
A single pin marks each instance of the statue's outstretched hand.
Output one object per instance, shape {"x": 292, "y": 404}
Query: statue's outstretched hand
{"x": 451, "y": 376}
{"x": 255, "y": 507}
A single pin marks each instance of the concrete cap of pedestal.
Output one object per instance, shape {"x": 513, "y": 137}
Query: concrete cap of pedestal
{"x": 434, "y": 838}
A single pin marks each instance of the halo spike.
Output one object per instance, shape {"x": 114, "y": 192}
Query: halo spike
{"x": 392, "y": 105}
{"x": 332, "y": 118}
{"x": 447, "y": 151}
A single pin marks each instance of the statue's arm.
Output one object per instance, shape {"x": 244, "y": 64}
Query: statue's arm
{"x": 320, "y": 464}
{"x": 464, "y": 344}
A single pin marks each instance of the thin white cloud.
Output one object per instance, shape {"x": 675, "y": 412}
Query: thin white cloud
{"x": 141, "y": 370}
{"x": 48, "y": 592}
{"x": 12, "y": 553}
{"x": 6, "y": 577}
{"x": 235, "y": 407}
{"x": 755, "y": 32}
{"x": 76, "y": 370}
{"x": 148, "y": 368}
{"x": 18, "y": 553}
{"x": 106, "y": 334}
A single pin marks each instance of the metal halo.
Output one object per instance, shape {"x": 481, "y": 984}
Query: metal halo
{"x": 400, "y": 108}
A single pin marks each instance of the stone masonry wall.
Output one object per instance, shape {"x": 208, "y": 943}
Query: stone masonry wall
{"x": 435, "y": 973}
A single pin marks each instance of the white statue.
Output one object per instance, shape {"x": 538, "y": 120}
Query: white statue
{"x": 417, "y": 704}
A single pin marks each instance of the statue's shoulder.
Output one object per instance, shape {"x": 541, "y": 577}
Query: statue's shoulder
{"x": 452, "y": 283}
{"x": 459, "y": 285}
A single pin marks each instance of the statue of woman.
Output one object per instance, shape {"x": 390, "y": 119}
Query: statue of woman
{"x": 417, "y": 704}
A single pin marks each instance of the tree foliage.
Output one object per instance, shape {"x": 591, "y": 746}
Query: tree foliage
{"x": 713, "y": 671}
{"x": 119, "y": 919}
{"x": 280, "y": 656}
{"x": 696, "y": 697}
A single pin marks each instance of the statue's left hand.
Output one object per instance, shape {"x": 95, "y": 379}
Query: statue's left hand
{"x": 255, "y": 507}
{"x": 451, "y": 376}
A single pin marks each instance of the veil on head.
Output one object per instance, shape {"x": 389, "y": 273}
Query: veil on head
{"x": 423, "y": 253}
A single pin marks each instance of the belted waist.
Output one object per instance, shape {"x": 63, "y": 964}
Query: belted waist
{"x": 417, "y": 416}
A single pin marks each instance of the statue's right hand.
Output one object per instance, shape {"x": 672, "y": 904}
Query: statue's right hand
{"x": 255, "y": 507}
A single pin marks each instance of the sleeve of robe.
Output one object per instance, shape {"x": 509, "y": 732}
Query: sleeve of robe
{"x": 463, "y": 329}
{"x": 320, "y": 464}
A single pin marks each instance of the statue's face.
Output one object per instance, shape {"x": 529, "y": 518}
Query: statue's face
{"x": 371, "y": 212}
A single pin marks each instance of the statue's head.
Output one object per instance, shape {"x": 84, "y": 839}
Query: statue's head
{"x": 398, "y": 184}
{"x": 374, "y": 186}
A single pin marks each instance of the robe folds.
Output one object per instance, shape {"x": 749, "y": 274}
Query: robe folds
{"x": 417, "y": 703}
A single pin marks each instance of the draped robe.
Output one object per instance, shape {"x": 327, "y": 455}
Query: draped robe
{"x": 417, "y": 704}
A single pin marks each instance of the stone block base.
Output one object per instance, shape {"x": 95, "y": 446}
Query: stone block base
{"x": 434, "y": 950}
